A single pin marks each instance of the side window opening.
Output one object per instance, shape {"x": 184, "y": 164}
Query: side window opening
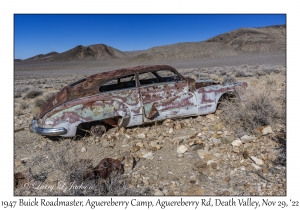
{"x": 158, "y": 77}
{"x": 148, "y": 78}
{"x": 119, "y": 83}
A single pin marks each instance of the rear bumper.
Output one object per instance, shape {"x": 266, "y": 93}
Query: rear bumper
{"x": 34, "y": 128}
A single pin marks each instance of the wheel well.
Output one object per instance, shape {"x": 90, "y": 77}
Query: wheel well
{"x": 228, "y": 96}
{"x": 109, "y": 123}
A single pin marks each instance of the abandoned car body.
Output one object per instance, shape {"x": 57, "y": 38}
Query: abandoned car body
{"x": 129, "y": 97}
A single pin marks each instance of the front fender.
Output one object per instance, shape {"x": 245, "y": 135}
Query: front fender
{"x": 69, "y": 117}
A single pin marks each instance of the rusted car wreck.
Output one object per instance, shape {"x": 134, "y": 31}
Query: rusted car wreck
{"x": 129, "y": 97}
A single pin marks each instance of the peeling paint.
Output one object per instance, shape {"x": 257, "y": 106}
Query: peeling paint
{"x": 134, "y": 105}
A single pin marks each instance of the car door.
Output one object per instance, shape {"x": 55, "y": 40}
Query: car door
{"x": 123, "y": 99}
{"x": 164, "y": 94}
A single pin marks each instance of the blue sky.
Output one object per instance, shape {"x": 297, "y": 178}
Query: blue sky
{"x": 41, "y": 34}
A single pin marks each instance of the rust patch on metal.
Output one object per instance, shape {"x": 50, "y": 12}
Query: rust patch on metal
{"x": 153, "y": 111}
{"x": 111, "y": 122}
{"x": 90, "y": 86}
{"x": 106, "y": 166}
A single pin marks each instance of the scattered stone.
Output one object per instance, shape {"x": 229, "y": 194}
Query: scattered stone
{"x": 236, "y": 143}
{"x": 157, "y": 192}
{"x": 247, "y": 139}
{"x": 125, "y": 153}
{"x": 182, "y": 149}
{"x": 203, "y": 153}
{"x": 97, "y": 139}
{"x": 227, "y": 179}
{"x": 257, "y": 161}
{"x": 219, "y": 112}
{"x": 199, "y": 119}
{"x": 216, "y": 142}
{"x": 265, "y": 169}
{"x": 171, "y": 130}
{"x": 207, "y": 156}
{"x": 128, "y": 165}
{"x": 201, "y": 167}
{"x": 210, "y": 116}
{"x": 156, "y": 144}
{"x": 147, "y": 155}
{"x": 178, "y": 126}
{"x": 83, "y": 149}
{"x": 255, "y": 167}
{"x": 122, "y": 130}
{"x": 193, "y": 181}
{"x": 140, "y": 144}
{"x": 135, "y": 149}
{"x": 194, "y": 190}
{"x": 227, "y": 139}
{"x": 127, "y": 136}
{"x": 168, "y": 123}
{"x": 199, "y": 164}
{"x": 197, "y": 147}
{"x": 247, "y": 185}
{"x": 236, "y": 149}
{"x": 202, "y": 178}
{"x": 194, "y": 141}
{"x": 214, "y": 165}
{"x": 145, "y": 181}
{"x": 225, "y": 193}
{"x": 274, "y": 170}
{"x": 264, "y": 130}
{"x": 217, "y": 155}
{"x": 141, "y": 136}
{"x": 245, "y": 154}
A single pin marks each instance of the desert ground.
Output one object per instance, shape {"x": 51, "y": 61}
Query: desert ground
{"x": 218, "y": 154}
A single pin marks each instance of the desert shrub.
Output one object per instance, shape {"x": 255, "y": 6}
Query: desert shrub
{"x": 23, "y": 105}
{"x": 221, "y": 72}
{"x": 240, "y": 73}
{"x": 39, "y": 102}
{"x": 18, "y": 111}
{"x": 229, "y": 79}
{"x": 33, "y": 93}
{"x": 260, "y": 73}
{"x": 17, "y": 94}
{"x": 270, "y": 70}
{"x": 118, "y": 186}
{"x": 49, "y": 95}
{"x": 271, "y": 81}
{"x": 203, "y": 76}
{"x": 213, "y": 77}
{"x": 260, "y": 107}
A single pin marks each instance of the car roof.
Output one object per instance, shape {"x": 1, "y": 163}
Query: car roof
{"x": 127, "y": 71}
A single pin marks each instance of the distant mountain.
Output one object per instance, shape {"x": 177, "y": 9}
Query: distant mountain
{"x": 272, "y": 38}
{"x": 244, "y": 40}
{"x": 240, "y": 41}
{"x": 92, "y": 52}
{"x": 43, "y": 56}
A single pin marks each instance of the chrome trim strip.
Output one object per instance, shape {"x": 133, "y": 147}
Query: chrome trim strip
{"x": 34, "y": 128}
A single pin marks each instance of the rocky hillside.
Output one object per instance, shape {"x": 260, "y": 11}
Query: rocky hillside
{"x": 254, "y": 39}
{"x": 241, "y": 41}
{"x": 79, "y": 53}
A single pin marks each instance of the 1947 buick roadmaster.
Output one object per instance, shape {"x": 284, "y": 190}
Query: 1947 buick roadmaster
{"x": 129, "y": 97}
